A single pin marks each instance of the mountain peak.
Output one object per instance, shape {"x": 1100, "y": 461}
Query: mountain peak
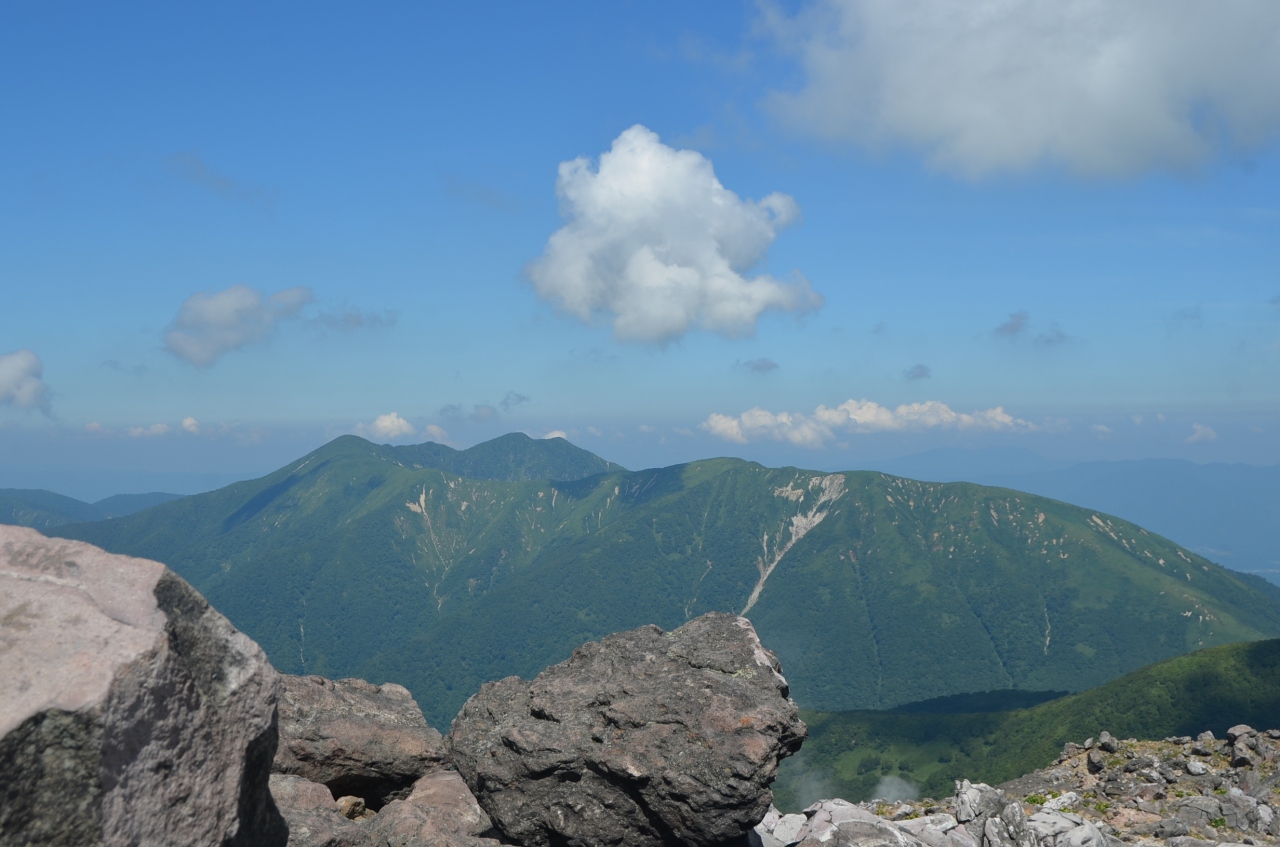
{"x": 511, "y": 457}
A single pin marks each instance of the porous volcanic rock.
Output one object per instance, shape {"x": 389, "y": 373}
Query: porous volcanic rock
{"x": 131, "y": 712}
{"x": 360, "y": 739}
{"x": 644, "y": 738}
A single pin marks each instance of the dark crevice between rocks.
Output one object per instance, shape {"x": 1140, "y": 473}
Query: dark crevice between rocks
{"x": 376, "y": 792}
{"x": 542, "y": 715}
{"x": 260, "y": 820}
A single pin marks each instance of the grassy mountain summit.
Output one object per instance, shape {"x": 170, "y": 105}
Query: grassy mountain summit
{"x": 366, "y": 560}
{"x": 509, "y": 457}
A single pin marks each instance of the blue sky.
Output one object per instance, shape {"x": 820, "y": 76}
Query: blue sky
{"x": 817, "y": 233}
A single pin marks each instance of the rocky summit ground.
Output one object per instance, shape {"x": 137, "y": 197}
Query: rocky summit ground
{"x": 1179, "y": 792}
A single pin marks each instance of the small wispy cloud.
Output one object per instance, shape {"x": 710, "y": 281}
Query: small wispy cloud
{"x": 22, "y": 381}
{"x": 191, "y": 425}
{"x": 757, "y": 366}
{"x": 1018, "y": 327}
{"x": 131, "y": 370}
{"x": 210, "y": 325}
{"x": 918, "y": 372}
{"x": 854, "y": 417}
{"x": 1191, "y": 316}
{"x": 479, "y": 413}
{"x": 556, "y": 433}
{"x": 1052, "y": 336}
{"x": 513, "y": 399}
{"x": 191, "y": 166}
{"x": 152, "y": 431}
{"x": 1014, "y": 326}
{"x": 351, "y": 319}
{"x": 480, "y": 194}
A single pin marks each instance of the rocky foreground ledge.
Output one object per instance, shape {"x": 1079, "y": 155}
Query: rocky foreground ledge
{"x": 132, "y": 713}
{"x": 645, "y": 738}
{"x": 1180, "y": 792}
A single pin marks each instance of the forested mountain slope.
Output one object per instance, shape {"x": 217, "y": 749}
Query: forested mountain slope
{"x": 873, "y": 590}
{"x": 847, "y": 754}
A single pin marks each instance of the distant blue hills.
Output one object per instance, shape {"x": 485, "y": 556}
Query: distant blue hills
{"x": 43, "y": 510}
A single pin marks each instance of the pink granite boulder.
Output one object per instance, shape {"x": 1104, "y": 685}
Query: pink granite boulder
{"x": 131, "y": 712}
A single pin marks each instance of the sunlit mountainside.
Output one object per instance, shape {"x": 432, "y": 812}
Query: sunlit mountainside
{"x": 441, "y": 569}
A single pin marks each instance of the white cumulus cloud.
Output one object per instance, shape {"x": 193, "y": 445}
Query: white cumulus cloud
{"x": 1099, "y": 87}
{"x": 1200, "y": 432}
{"x": 557, "y": 433}
{"x": 211, "y": 324}
{"x": 191, "y": 425}
{"x": 387, "y": 427}
{"x": 657, "y": 243}
{"x": 854, "y": 417}
{"x": 21, "y": 381}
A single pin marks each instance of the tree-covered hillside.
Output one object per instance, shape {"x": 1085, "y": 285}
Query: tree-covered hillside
{"x": 873, "y": 590}
{"x": 847, "y": 754}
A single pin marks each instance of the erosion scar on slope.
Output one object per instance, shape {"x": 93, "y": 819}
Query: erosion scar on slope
{"x": 832, "y": 488}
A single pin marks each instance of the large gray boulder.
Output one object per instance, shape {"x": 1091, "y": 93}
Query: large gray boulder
{"x": 131, "y": 712}
{"x": 644, "y": 738}
{"x": 357, "y": 738}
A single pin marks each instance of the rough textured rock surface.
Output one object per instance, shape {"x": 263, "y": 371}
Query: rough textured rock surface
{"x": 438, "y": 812}
{"x": 130, "y": 711}
{"x": 360, "y": 739}
{"x": 644, "y": 738}
{"x": 313, "y": 815}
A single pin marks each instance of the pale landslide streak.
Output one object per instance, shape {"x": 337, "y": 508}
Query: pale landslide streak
{"x": 832, "y": 490}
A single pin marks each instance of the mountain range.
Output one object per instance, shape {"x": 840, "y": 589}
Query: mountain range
{"x": 441, "y": 569}
{"x": 41, "y": 509}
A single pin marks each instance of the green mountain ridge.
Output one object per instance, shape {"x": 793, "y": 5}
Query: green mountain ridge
{"x": 848, "y": 753}
{"x": 40, "y": 509}
{"x": 363, "y": 560}
{"x": 510, "y": 457}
